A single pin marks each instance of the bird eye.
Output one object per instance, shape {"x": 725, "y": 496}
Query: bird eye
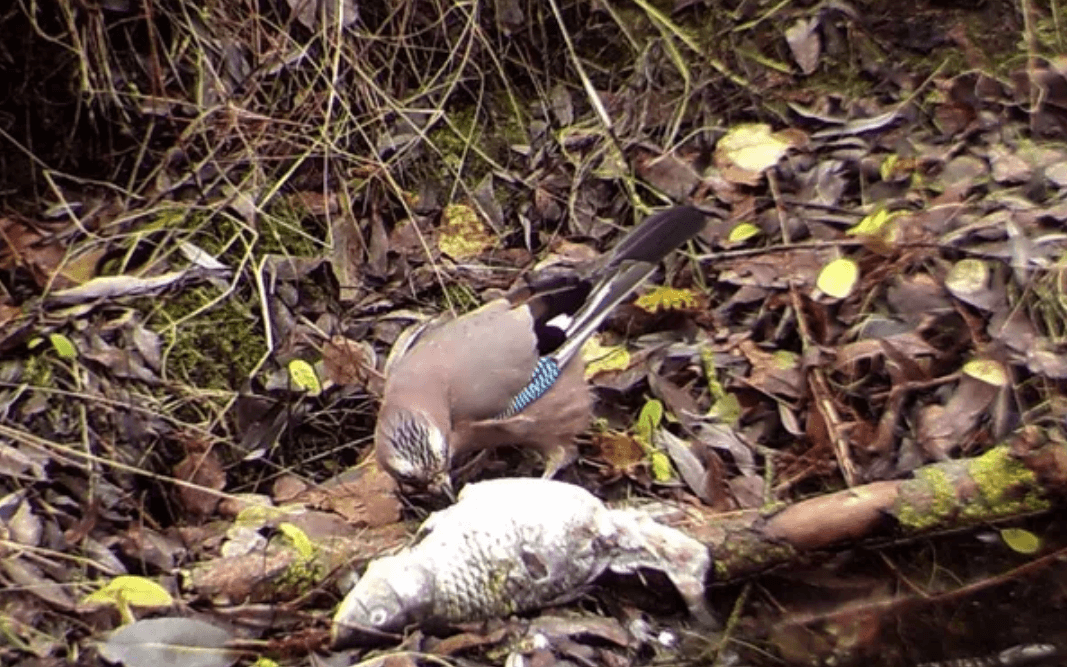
{"x": 378, "y": 616}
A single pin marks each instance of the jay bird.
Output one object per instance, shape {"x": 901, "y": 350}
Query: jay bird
{"x": 510, "y": 372}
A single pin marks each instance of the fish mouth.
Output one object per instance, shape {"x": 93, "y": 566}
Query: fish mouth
{"x": 345, "y": 635}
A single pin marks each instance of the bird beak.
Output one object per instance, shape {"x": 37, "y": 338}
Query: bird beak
{"x": 442, "y": 486}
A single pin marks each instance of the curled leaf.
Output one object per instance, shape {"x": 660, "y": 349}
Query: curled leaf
{"x": 135, "y": 591}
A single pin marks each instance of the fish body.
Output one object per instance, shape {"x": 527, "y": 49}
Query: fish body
{"x": 508, "y": 546}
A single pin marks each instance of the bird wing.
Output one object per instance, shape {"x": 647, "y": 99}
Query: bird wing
{"x": 479, "y": 362}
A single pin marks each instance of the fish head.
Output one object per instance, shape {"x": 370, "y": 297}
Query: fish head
{"x": 392, "y": 594}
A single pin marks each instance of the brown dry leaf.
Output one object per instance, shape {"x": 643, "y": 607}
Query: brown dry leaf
{"x": 465, "y": 641}
{"x": 1008, "y": 167}
{"x": 315, "y": 203}
{"x": 618, "y": 450}
{"x": 203, "y": 469}
{"x": 1047, "y": 359}
{"x": 365, "y": 496}
{"x": 776, "y": 373}
{"x": 943, "y": 429}
{"x": 804, "y": 42}
{"x": 910, "y": 344}
{"x": 668, "y": 173}
{"x": 346, "y": 257}
{"x": 24, "y": 246}
{"x": 145, "y": 545}
{"x": 916, "y": 296}
{"x": 348, "y": 362}
{"x": 972, "y": 281}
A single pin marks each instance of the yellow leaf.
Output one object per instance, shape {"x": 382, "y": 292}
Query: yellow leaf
{"x": 299, "y": 538}
{"x": 64, "y": 346}
{"x": 838, "y": 278}
{"x": 967, "y": 276}
{"x": 255, "y": 516}
{"x": 1021, "y": 541}
{"x": 302, "y": 374}
{"x": 873, "y": 224}
{"x": 662, "y": 471}
{"x": 463, "y": 235}
{"x": 752, "y": 147}
{"x": 888, "y": 166}
{"x": 727, "y": 409}
{"x": 666, "y": 298}
{"x": 785, "y": 360}
{"x": 600, "y": 358}
{"x": 134, "y": 591}
{"x": 988, "y": 371}
{"x": 707, "y": 357}
{"x": 743, "y": 232}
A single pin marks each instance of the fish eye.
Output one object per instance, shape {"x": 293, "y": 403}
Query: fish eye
{"x": 378, "y": 616}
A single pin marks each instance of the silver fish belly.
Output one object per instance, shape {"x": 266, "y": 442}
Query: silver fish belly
{"x": 512, "y": 545}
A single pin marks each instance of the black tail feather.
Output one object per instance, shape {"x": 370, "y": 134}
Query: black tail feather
{"x": 586, "y": 300}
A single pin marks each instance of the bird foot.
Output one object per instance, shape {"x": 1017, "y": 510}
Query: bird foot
{"x": 558, "y": 457}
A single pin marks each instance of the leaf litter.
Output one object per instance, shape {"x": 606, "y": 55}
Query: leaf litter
{"x": 201, "y": 288}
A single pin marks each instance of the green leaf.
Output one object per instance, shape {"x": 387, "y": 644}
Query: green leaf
{"x": 303, "y": 376}
{"x": 299, "y": 539}
{"x": 135, "y": 591}
{"x": 1021, "y": 541}
{"x": 650, "y": 418}
{"x": 64, "y": 346}
{"x": 838, "y": 278}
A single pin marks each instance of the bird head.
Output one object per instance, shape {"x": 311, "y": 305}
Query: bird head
{"x": 414, "y": 450}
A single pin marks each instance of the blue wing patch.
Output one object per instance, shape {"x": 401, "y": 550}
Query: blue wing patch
{"x": 544, "y": 376}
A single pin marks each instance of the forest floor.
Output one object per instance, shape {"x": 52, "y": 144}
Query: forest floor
{"x": 216, "y": 219}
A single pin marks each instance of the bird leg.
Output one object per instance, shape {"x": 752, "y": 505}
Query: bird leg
{"x": 558, "y": 456}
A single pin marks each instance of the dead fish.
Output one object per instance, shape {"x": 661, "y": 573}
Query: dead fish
{"x": 512, "y": 545}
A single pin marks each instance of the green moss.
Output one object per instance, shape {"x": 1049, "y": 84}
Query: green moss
{"x": 452, "y": 142}
{"x": 302, "y": 576}
{"x": 460, "y": 297}
{"x": 282, "y": 232}
{"x": 216, "y": 348}
{"x": 1007, "y": 486}
{"x": 938, "y": 504}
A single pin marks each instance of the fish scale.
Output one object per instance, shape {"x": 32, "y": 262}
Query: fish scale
{"x": 513, "y": 545}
